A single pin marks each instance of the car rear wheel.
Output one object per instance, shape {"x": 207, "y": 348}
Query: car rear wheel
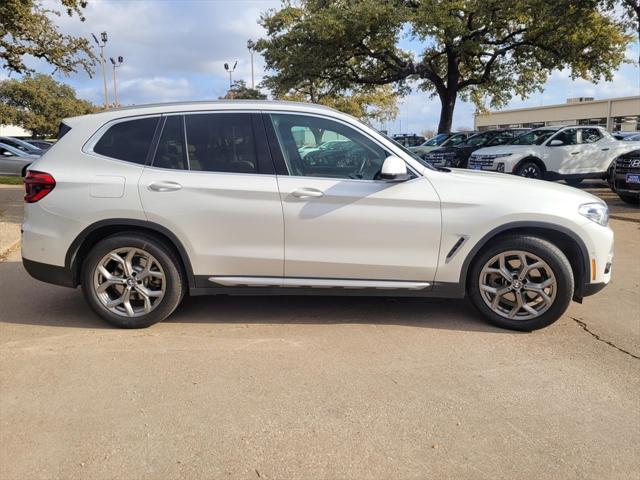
{"x": 132, "y": 280}
{"x": 574, "y": 182}
{"x": 521, "y": 283}
{"x": 529, "y": 170}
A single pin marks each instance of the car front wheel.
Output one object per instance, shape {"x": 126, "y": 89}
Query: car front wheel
{"x": 132, "y": 280}
{"x": 630, "y": 199}
{"x": 521, "y": 283}
{"x": 529, "y": 170}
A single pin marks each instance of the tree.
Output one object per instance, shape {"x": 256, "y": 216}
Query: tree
{"x": 477, "y": 50}
{"x": 240, "y": 91}
{"x": 366, "y": 102}
{"x": 39, "y": 103}
{"x": 26, "y": 29}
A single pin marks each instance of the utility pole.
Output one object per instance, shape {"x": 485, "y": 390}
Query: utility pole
{"x": 104, "y": 38}
{"x": 251, "y": 45}
{"x": 115, "y": 85}
{"x": 230, "y": 70}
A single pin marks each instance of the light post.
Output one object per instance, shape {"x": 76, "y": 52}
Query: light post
{"x": 251, "y": 45}
{"x": 230, "y": 70}
{"x": 103, "y": 38}
{"x": 115, "y": 85}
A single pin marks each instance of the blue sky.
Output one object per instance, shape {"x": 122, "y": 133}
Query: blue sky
{"x": 176, "y": 49}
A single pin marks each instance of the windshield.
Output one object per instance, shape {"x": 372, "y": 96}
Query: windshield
{"x": 409, "y": 152}
{"x": 454, "y": 140}
{"x": 534, "y": 137}
{"x": 435, "y": 141}
{"x": 478, "y": 139}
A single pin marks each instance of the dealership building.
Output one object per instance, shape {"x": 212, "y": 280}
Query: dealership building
{"x": 615, "y": 114}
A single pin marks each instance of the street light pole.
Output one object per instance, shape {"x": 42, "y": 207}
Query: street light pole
{"x": 250, "y": 45}
{"x": 115, "y": 84}
{"x": 230, "y": 70}
{"x": 103, "y": 38}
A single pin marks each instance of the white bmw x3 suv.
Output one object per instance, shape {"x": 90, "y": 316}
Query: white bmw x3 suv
{"x": 143, "y": 205}
{"x": 566, "y": 153}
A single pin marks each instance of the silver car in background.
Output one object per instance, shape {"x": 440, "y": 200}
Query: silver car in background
{"x": 14, "y": 161}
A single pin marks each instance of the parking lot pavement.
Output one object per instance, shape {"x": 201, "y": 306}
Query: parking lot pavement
{"x": 299, "y": 387}
{"x": 11, "y": 206}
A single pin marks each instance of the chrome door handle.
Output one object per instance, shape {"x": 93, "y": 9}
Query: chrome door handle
{"x": 605, "y": 149}
{"x": 164, "y": 186}
{"x": 575, "y": 153}
{"x": 307, "y": 193}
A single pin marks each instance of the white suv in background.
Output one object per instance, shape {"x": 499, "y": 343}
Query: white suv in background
{"x": 143, "y": 205}
{"x": 567, "y": 153}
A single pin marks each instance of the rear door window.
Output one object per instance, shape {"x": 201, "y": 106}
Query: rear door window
{"x": 221, "y": 142}
{"x": 171, "y": 151}
{"x": 129, "y": 140}
{"x": 590, "y": 135}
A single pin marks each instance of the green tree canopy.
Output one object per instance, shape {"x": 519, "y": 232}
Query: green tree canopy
{"x": 39, "y": 103}
{"x": 366, "y": 102}
{"x": 240, "y": 91}
{"x": 484, "y": 51}
{"x": 26, "y": 29}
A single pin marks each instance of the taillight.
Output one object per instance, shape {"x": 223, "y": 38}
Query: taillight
{"x": 37, "y": 186}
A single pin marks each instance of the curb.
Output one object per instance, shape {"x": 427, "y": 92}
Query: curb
{"x": 4, "y": 252}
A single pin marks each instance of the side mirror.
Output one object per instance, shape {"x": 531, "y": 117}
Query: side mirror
{"x": 556, "y": 143}
{"x": 394, "y": 170}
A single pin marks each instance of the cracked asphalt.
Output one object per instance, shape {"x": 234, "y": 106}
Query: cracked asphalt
{"x": 293, "y": 387}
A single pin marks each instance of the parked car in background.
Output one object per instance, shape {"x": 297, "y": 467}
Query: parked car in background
{"x": 624, "y": 135}
{"x": 409, "y": 140}
{"x": 457, "y": 156}
{"x": 21, "y": 145}
{"x": 41, "y": 144}
{"x": 625, "y": 177}
{"x": 632, "y": 138}
{"x": 441, "y": 140}
{"x": 144, "y": 205}
{"x": 569, "y": 153}
{"x": 14, "y": 161}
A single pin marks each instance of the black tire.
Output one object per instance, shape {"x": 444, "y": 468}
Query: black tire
{"x": 529, "y": 169}
{"x": 574, "y": 182}
{"x": 546, "y": 251}
{"x": 170, "y": 263}
{"x": 630, "y": 199}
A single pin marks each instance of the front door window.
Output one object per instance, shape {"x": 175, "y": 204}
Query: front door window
{"x": 317, "y": 147}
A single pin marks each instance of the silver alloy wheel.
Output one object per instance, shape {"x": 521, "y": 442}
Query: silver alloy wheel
{"x": 129, "y": 282}
{"x": 518, "y": 285}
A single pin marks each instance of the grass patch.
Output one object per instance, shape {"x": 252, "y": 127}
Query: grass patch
{"x": 10, "y": 180}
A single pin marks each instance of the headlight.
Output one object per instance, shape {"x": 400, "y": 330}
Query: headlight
{"x": 596, "y": 212}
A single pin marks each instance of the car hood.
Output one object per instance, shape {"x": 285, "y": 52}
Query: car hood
{"x": 506, "y": 193}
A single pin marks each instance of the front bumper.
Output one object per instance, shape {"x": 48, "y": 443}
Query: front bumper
{"x": 620, "y": 184}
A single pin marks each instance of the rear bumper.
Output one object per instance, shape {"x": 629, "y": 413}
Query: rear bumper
{"x": 49, "y": 273}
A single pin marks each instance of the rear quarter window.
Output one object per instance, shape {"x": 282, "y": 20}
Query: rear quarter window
{"x": 63, "y": 129}
{"x": 129, "y": 140}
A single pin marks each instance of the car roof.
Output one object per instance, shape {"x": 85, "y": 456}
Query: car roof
{"x": 195, "y": 106}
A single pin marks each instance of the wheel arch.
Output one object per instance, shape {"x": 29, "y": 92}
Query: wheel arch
{"x": 99, "y": 230}
{"x": 566, "y": 240}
